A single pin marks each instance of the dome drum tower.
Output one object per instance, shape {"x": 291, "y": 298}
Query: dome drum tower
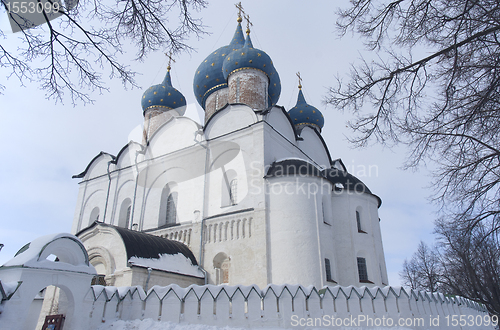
{"x": 160, "y": 103}
{"x": 249, "y": 86}
{"x": 216, "y": 101}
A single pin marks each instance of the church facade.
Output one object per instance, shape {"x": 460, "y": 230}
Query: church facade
{"x": 252, "y": 196}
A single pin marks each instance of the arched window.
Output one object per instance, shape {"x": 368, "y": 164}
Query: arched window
{"x": 171, "y": 216}
{"x": 328, "y": 270}
{"x": 229, "y": 188}
{"x": 125, "y": 213}
{"x": 358, "y": 223}
{"x": 94, "y": 215}
{"x": 327, "y": 209}
{"x": 168, "y": 205}
{"x": 221, "y": 267}
{"x": 362, "y": 270}
{"x": 233, "y": 191}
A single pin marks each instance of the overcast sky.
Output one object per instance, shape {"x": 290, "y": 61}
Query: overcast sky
{"x": 44, "y": 143}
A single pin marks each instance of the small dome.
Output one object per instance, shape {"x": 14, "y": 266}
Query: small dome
{"x": 163, "y": 96}
{"x": 249, "y": 57}
{"x": 305, "y": 114}
{"x": 208, "y": 77}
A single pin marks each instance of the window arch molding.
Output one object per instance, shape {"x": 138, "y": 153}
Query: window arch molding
{"x": 125, "y": 215}
{"x": 168, "y": 205}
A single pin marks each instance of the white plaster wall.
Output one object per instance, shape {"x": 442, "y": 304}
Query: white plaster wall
{"x": 279, "y": 121}
{"x": 293, "y": 232}
{"x": 178, "y": 133}
{"x": 313, "y": 147}
{"x": 105, "y": 246}
{"x": 230, "y": 119}
{"x": 350, "y": 244}
{"x": 140, "y": 276}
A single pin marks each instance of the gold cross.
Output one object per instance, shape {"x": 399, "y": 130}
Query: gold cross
{"x": 300, "y": 80}
{"x": 247, "y": 18}
{"x": 170, "y": 59}
{"x": 240, "y": 10}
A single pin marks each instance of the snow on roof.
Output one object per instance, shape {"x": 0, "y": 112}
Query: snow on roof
{"x": 174, "y": 263}
{"x": 69, "y": 250}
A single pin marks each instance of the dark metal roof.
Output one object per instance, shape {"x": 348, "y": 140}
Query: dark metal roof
{"x": 293, "y": 167}
{"x": 142, "y": 245}
{"x": 349, "y": 181}
{"x": 302, "y": 168}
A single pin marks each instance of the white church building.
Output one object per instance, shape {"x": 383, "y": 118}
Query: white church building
{"x": 251, "y": 197}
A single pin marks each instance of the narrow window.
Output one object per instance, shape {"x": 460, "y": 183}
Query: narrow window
{"x": 229, "y": 188}
{"x": 326, "y": 208}
{"x": 358, "y": 220}
{"x": 328, "y": 270}
{"x": 124, "y": 216}
{"x": 171, "y": 215}
{"x": 358, "y": 223}
{"x": 362, "y": 271}
{"x": 129, "y": 212}
{"x": 94, "y": 215}
{"x": 233, "y": 191}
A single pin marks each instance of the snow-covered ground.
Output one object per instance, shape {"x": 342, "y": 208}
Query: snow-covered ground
{"x": 149, "y": 324}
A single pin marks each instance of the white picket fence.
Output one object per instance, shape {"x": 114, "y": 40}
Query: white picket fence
{"x": 287, "y": 306}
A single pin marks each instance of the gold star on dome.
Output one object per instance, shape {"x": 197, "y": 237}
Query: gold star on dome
{"x": 206, "y": 76}
{"x": 243, "y": 54}
{"x": 212, "y": 64}
{"x": 174, "y": 103}
{"x": 236, "y": 63}
{"x": 161, "y": 100}
{"x": 300, "y": 111}
{"x": 169, "y": 94}
{"x": 217, "y": 79}
{"x": 314, "y": 111}
{"x": 198, "y": 72}
{"x": 223, "y": 55}
{"x": 250, "y": 61}
{"x": 264, "y": 65}
{"x": 155, "y": 93}
{"x": 259, "y": 54}
{"x": 144, "y": 97}
{"x": 197, "y": 86}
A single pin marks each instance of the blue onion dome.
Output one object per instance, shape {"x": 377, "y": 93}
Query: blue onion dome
{"x": 163, "y": 96}
{"x": 304, "y": 114}
{"x": 249, "y": 57}
{"x": 208, "y": 77}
